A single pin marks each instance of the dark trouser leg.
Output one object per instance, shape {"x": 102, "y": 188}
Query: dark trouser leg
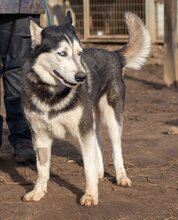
{"x": 20, "y": 137}
{"x": 1, "y": 118}
{"x": 15, "y": 46}
{"x": 1, "y": 125}
{"x": 19, "y": 131}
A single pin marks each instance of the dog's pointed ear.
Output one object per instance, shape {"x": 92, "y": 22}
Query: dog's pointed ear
{"x": 68, "y": 18}
{"x": 35, "y": 31}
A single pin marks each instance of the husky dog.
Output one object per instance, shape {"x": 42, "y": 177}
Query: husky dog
{"x": 68, "y": 88}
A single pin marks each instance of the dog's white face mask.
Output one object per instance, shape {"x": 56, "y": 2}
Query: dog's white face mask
{"x": 63, "y": 63}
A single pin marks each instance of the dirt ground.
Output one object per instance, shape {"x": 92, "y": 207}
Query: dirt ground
{"x": 150, "y": 150}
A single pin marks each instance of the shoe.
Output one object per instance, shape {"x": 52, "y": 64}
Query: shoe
{"x": 24, "y": 153}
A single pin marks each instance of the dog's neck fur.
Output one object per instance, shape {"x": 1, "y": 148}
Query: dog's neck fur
{"x": 53, "y": 89}
{"x": 58, "y": 98}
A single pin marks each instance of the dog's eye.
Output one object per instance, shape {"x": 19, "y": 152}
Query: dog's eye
{"x": 62, "y": 54}
{"x": 80, "y": 53}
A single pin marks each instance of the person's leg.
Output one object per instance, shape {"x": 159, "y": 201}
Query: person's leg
{"x": 15, "y": 46}
{"x": 1, "y": 118}
{"x": 20, "y": 137}
{"x": 1, "y": 126}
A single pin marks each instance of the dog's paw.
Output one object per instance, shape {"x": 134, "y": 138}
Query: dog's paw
{"x": 124, "y": 181}
{"x": 33, "y": 196}
{"x": 88, "y": 200}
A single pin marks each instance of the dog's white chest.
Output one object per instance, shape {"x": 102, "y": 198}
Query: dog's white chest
{"x": 67, "y": 121}
{"x": 58, "y": 125}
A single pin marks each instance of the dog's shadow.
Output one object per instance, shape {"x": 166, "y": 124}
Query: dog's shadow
{"x": 61, "y": 149}
{"x": 8, "y": 167}
{"x": 172, "y": 122}
{"x": 11, "y": 174}
{"x": 64, "y": 183}
{"x": 70, "y": 152}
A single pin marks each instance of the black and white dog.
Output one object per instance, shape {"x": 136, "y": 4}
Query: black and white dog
{"x": 68, "y": 88}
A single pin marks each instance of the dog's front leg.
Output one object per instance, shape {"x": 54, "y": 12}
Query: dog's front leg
{"x": 88, "y": 147}
{"x": 42, "y": 144}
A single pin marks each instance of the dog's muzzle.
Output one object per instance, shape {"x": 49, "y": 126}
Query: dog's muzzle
{"x": 62, "y": 78}
{"x": 80, "y": 77}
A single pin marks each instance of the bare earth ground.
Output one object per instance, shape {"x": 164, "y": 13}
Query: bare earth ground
{"x": 150, "y": 153}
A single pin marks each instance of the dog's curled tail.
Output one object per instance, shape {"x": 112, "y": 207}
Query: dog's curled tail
{"x": 138, "y": 47}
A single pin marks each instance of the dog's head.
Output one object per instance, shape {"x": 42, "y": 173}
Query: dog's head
{"x": 57, "y": 54}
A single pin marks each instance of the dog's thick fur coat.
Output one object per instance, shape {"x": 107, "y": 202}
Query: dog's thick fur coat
{"x": 70, "y": 89}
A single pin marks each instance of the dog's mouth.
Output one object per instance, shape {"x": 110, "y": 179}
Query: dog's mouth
{"x": 63, "y": 80}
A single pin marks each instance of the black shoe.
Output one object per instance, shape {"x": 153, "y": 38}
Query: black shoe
{"x": 24, "y": 153}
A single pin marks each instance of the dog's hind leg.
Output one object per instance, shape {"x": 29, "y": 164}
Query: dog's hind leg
{"x": 88, "y": 148}
{"x": 115, "y": 131}
{"x": 99, "y": 149}
{"x": 42, "y": 144}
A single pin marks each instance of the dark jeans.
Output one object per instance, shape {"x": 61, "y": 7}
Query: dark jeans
{"x": 15, "y": 46}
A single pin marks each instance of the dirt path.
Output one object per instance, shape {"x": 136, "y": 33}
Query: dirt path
{"x": 150, "y": 153}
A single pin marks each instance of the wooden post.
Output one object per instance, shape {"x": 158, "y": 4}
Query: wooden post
{"x": 151, "y": 19}
{"x": 170, "y": 42}
{"x": 86, "y": 18}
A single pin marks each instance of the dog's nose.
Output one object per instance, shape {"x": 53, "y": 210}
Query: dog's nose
{"x": 80, "y": 76}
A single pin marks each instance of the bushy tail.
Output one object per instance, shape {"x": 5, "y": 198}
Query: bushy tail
{"x": 138, "y": 47}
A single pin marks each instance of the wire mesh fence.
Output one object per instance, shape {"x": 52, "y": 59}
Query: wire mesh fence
{"x": 98, "y": 18}
{"x": 103, "y": 20}
{"x": 107, "y": 16}
{"x": 77, "y": 6}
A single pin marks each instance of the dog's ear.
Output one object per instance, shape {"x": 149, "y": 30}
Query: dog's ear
{"x": 68, "y": 18}
{"x": 35, "y": 31}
